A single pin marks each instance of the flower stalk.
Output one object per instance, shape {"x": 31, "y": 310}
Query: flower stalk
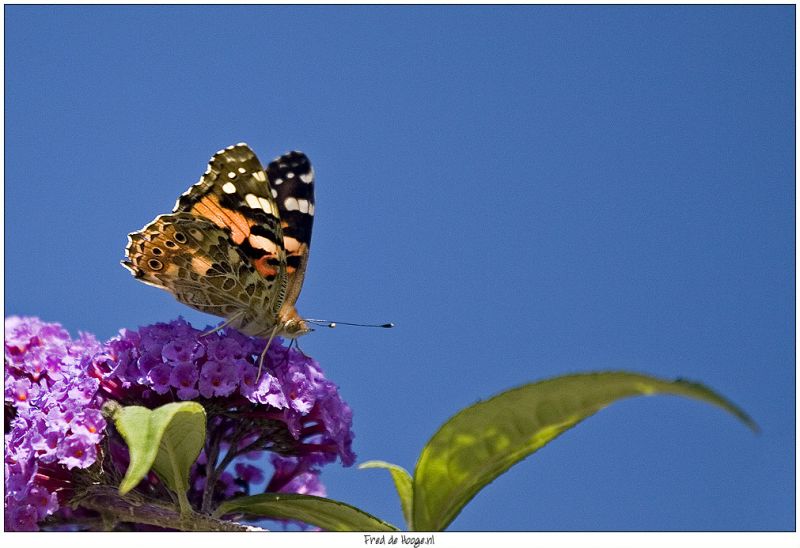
{"x": 116, "y": 509}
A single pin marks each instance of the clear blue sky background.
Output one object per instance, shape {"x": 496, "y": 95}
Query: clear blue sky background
{"x": 525, "y": 191}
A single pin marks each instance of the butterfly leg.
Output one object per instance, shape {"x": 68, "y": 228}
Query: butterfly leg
{"x": 292, "y": 342}
{"x": 264, "y": 353}
{"x": 297, "y": 344}
{"x": 222, "y": 325}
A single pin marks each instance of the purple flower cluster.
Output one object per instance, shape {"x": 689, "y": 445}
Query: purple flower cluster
{"x": 173, "y": 361}
{"x": 55, "y": 420}
{"x": 55, "y": 387}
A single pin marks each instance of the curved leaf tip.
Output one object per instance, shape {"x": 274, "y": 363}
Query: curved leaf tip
{"x": 484, "y": 440}
{"x": 403, "y": 483}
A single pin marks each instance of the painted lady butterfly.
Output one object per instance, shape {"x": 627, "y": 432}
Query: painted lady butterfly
{"x": 236, "y": 244}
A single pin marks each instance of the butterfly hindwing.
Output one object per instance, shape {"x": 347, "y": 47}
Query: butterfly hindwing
{"x": 194, "y": 260}
{"x": 291, "y": 178}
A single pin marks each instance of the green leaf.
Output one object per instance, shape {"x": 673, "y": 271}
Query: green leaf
{"x": 167, "y": 439}
{"x": 484, "y": 440}
{"x": 402, "y": 482}
{"x": 327, "y": 514}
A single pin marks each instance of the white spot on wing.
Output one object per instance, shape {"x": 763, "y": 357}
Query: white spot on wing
{"x": 265, "y": 204}
{"x": 242, "y": 170}
{"x": 274, "y": 193}
{"x": 278, "y": 181}
{"x": 311, "y": 209}
{"x": 303, "y": 205}
{"x": 307, "y": 177}
{"x": 291, "y": 204}
{"x": 260, "y": 176}
{"x": 231, "y": 175}
{"x": 290, "y": 175}
{"x": 252, "y": 201}
{"x": 229, "y": 188}
{"x": 290, "y": 244}
{"x": 260, "y": 242}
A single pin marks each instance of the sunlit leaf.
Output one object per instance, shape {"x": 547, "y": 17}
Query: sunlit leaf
{"x": 327, "y": 514}
{"x": 484, "y": 440}
{"x": 402, "y": 482}
{"x": 167, "y": 439}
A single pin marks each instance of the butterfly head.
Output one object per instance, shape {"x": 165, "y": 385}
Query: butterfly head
{"x": 292, "y": 325}
{"x": 295, "y": 327}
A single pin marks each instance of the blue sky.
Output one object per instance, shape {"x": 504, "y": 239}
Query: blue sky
{"x": 525, "y": 191}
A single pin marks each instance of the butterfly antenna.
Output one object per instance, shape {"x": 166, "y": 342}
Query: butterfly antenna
{"x": 328, "y": 323}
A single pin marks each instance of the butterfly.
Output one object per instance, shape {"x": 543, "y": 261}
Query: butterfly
{"x": 236, "y": 244}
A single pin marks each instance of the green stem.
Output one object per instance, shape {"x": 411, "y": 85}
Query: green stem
{"x": 211, "y": 460}
{"x": 134, "y": 509}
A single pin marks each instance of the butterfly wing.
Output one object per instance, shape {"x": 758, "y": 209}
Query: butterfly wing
{"x": 237, "y": 242}
{"x": 192, "y": 258}
{"x": 291, "y": 178}
{"x": 235, "y": 195}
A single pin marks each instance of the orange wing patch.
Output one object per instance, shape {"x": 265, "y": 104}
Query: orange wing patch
{"x": 210, "y": 208}
{"x": 264, "y": 268}
{"x": 240, "y": 229}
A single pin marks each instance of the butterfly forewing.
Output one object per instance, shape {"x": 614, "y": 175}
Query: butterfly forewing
{"x": 235, "y": 195}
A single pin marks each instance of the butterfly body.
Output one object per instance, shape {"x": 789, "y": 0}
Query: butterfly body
{"x": 236, "y": 244}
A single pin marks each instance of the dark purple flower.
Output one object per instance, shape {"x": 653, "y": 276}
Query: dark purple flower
{"x": 184, "y": 378}
{"x": 225, "y": 349}
{"x": 293, "y": 475}
{"x": 218, "y": 379}
{"x": 337, "y": 417}
{"x": 23, "y": 517}
{"x": 228, "y": 486}
{"x": 146, "y": 363}
{"x": 267, "y": 390}
{"x": 249, "y": 473}
{"x": 158, "y": 378}
{"x": 183, "y": 350}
